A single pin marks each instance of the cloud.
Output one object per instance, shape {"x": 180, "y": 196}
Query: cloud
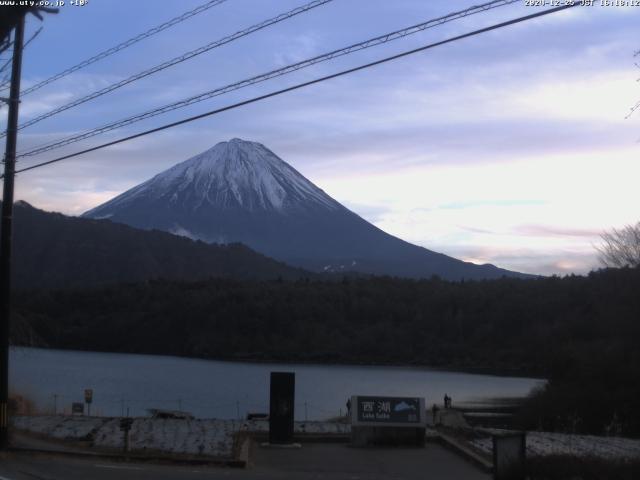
{"x": 61, "y": 92}
{"x": 509, "y": 147}
{"x": 298, "y": 48}
{"x": 548, "y": 230}
{"x": 31, "y": 107}
{"x": 371, "y": 213}
{"x": 534, "y": 261}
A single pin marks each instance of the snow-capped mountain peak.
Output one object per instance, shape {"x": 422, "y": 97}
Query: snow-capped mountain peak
{"x": 232, "y": 174}
{"x": 240, "y": 191}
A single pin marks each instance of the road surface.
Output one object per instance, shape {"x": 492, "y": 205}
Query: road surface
{"x": 312, "y": 461}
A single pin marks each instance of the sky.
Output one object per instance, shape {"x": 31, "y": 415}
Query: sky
{"x": 511, "y": 147}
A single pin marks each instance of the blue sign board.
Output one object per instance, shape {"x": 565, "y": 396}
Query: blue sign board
{"x": 398, "y": 411}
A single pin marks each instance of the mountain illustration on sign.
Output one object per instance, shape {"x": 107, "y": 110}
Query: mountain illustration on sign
{"x": 240, "y": 191}
{"x": 403, "y": 406}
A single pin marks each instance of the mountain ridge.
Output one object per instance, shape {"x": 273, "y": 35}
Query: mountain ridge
{"x": 52, "y": 250}
{"x": 241, "y": 191}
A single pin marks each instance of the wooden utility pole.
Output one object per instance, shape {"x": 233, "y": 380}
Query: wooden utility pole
{"x": 5, "y": 232}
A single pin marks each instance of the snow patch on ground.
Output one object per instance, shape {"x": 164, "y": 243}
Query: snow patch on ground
{"x": 210, "y": 437}
{"x": 195, "y": 437}
{"x": 540, "y": 444}
{"x": 59, "y": 427}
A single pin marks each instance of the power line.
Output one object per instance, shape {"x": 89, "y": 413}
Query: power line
{"x": 5, "y": 45}
{"x": 35, "y": 34}
{"x": 275, "y": 73}
{"x": 305, "y": 84}
{"x": 4, "y": 83}
{"x": 632, "y": 110}
{"x": 110, "y": 51}
{"x": 271, "y": 74}
{"x": 174, "y": 61}
{"x": 5, "y": 66}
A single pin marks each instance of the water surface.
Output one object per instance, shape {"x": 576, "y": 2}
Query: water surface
{"x": 221, "y": 389}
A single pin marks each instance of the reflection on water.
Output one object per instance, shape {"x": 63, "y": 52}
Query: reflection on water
{"x": 214, "y": 389}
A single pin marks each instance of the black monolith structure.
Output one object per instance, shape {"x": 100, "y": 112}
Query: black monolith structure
{"x": 281, "y": 407}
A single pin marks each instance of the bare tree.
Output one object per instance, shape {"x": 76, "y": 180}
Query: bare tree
{"x": 621, "y": 248}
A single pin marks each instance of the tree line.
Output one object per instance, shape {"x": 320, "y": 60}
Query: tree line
{"x": 582, "y": 333}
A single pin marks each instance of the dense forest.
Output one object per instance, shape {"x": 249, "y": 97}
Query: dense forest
{"x": 56, "y": 251}
{"x": 583, "y": 333}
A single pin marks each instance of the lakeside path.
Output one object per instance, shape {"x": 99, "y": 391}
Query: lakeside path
{"x": 312, "y": 461}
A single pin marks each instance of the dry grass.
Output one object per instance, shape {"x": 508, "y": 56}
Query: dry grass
{"x": 20, "y": 404}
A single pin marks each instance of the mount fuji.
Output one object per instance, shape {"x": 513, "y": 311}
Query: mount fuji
{"x": 240, "y": 191}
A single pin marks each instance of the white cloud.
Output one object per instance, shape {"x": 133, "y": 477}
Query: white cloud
{"x": 555, "y": 206}
{"x": 508, "y": 148}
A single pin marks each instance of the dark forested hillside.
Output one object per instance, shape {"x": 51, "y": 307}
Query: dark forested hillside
{"x": 508, "y": 323}
{"x": 52, "y": 250}
{"x": 581, "y": 332}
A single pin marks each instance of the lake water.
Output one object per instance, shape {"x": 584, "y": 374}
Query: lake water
{"x": 217, "y": 389}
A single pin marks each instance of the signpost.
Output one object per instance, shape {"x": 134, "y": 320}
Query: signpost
{"x": 77, "y": 408}
{"x": 88, "y": 397}
{"x": 125, "y": 426}
{"x": 387, "y": 410}
{"x": 379, "y": 420}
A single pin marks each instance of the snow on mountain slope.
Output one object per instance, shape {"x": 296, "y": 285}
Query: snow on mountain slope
{"x": 240, "y": 191}
{"x": 231, "y": 174}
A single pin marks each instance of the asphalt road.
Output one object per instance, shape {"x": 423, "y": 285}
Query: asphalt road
{"x": 312, "y": 461}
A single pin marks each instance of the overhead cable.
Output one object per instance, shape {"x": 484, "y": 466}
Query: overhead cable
{"x": 304, "y": 84}
{"x": 121, "y": 46}
{"x": 174, "y": 61}
{"x": 388, "y": 37}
